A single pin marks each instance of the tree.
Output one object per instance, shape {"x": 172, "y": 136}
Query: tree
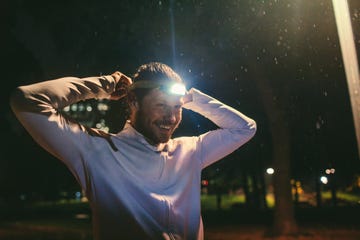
{"x": 284, "y": 219}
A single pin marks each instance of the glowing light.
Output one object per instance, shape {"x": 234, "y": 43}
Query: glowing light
{"x": 102, "y": 107}
{"x": 324, "y": 179}
{"x": 178, "y": 89}
{"x": 270, "y": 171}
{"x": 74, "y": 107}
{"x": 166, "y": 86}
{"x": 78, "y": 195}
{"x": 330, "y": 170}
{"x": 81, "y": 107}
{"x": 204, "y": 182}
{"x": 82, "y": 216}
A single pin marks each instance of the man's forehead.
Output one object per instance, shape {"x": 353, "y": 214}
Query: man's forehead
{"x": 157, "y": 94}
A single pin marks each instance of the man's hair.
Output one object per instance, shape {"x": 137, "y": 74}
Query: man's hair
{"x": 153, "y": 71}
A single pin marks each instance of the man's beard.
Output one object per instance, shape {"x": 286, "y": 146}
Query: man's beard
{"x": 151, "y": 131}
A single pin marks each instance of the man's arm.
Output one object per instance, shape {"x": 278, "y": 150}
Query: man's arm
{"x": 37, "y": 108}
{"x": 235, "y": 128}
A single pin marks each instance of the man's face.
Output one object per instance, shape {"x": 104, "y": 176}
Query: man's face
{"x": 158, "y": 115}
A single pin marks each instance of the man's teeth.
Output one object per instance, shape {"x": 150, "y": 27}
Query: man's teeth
{"x": 164, "y": 127}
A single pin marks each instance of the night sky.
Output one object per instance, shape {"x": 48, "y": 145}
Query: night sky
{"x": 224, "y": 48}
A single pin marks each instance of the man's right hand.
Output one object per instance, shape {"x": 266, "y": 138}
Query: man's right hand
{"x": 122, "y": 84}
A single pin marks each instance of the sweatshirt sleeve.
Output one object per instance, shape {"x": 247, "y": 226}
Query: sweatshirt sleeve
{"x": 37, "y": 107}
{"x": 52, "y": 95}
{"x": 235, "y": 129}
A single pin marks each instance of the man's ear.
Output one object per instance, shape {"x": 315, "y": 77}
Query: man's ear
{"x": 133, "y": 102}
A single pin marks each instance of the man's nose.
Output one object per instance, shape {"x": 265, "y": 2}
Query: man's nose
{"x": 170, "y": 115}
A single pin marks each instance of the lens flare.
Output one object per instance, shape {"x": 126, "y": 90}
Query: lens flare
{"x": 177, "y": 89}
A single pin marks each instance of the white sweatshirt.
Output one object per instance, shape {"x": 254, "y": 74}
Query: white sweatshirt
{"x": 135, "y": 190}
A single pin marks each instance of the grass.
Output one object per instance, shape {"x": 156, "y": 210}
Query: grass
{"x": 345, "y": 196}
{"x": 58, "y": 221}
{"x": 209, "y": 202}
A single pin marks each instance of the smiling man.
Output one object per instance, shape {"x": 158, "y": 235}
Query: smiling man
{"x": 141, "y": 183}
{"x": 156, "y": 101}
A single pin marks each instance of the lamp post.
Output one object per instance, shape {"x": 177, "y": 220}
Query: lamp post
{"x": 346, "y": 37}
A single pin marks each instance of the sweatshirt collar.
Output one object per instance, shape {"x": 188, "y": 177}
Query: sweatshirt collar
{"x": 132, "y": 132}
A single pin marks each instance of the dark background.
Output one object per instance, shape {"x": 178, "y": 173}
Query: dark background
{"x": 219, "y": 47}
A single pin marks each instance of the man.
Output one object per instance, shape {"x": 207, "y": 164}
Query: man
{"x": 141, "y": 183}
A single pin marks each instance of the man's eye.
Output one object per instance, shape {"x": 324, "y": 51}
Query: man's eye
{"x": 160, "y": 104}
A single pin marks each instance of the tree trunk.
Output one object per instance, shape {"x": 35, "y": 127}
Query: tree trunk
{"x": 284, "y": 220}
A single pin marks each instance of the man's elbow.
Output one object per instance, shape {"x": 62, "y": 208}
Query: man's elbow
{"x": 17, "y": 99}
{"x": 252, "y": 127}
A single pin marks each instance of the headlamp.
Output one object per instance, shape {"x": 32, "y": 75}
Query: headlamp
{"x": 173, "y": 88}
{"x": 177, "y": 89}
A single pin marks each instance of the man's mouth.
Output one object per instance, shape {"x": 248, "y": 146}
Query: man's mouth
{"x": 164, "y": 127}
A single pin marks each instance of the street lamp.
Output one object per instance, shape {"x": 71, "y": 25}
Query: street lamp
{"x": 270, "y": 171}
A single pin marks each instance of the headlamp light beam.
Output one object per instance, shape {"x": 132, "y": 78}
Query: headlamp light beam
{"x": 169, "y": 87}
